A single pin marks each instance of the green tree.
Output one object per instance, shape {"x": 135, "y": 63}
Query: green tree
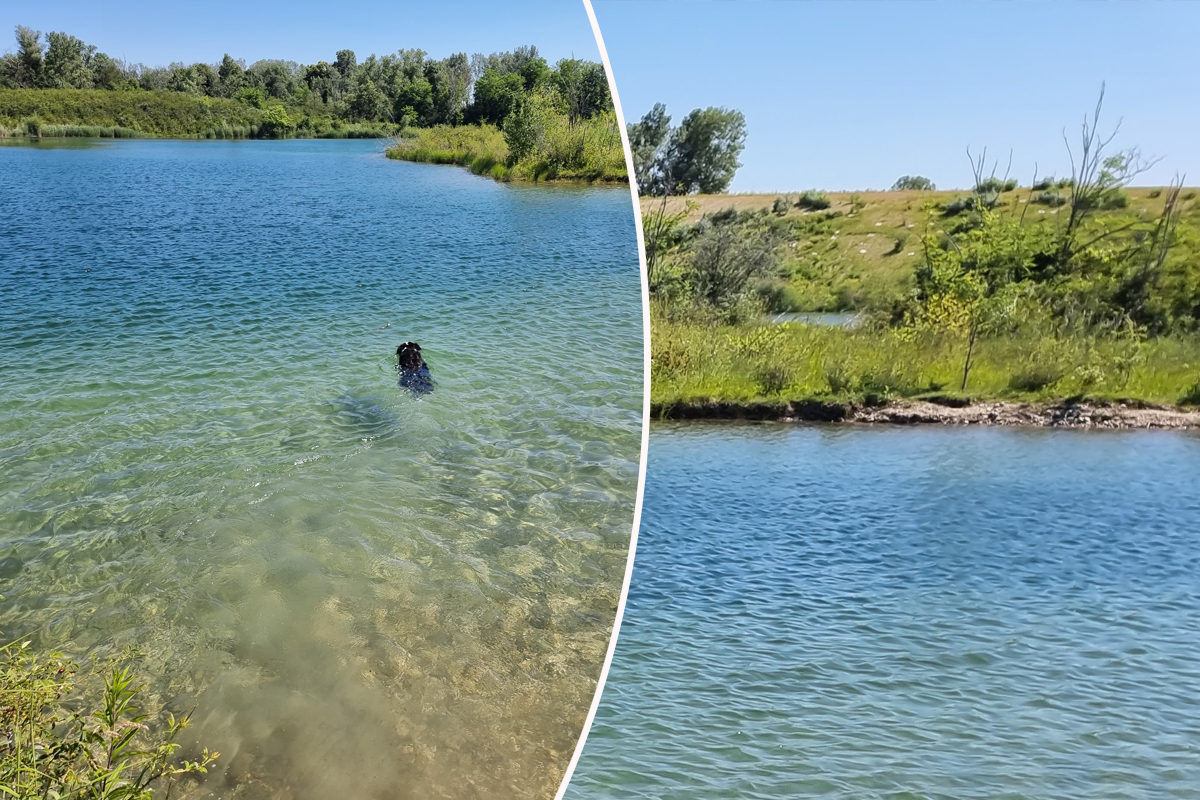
{"x": 67, "y": 64}
{"x": 701, "y": 155}
{"x": 107, "y": 73}
{"x": 646, "y": 139}
{"x": 183, "y": 80}
{"x": 368, "y": 102}
{"x": 704, "y": 149}
{"x": 277, "y": 78}
{"x": 23, "y": 69}
{"x": 252, "y": 96}
{"x": 276, "y": 123}
{"x": 497, "y": 95}
{"x": 319, "y": 78}
{"x": 913, "y": 183}
{"x": 968, "y": 286}
{"x": 525, "y": 127}
{"x": 345, "y": 63}
{"x": 230, "y": 76}
{"x": 583, "y": 87}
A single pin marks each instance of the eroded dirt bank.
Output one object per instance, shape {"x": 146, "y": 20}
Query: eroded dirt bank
{"x": 943, "y": 411}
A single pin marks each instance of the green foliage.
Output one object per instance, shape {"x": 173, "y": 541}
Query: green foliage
{"x": 406, "y": 88}
{"x": 959, "y": 205}
{"x": 252, "y": 96}
{"x": 52, "y": 747}
{"x": 525, "y": 128}
{"x": 149, "y": 113}
{"x": 1109, "y": 199}
{"x": 647, "y": 137}
{"x": 994, "y": 185}
{"x": 367, "y": 101}
{"x": 781, "y": 205}
{"x": 813, "y": 201}
{"x": 497, "y": 95}
{"x": 1191, "y": 397}
{"x": 694, "y": 359}
{"x": 538, "y": 142}
{"x": 275, "y": 122}
{"x": 1043, "y": 184}
{"x": 700, "y": 155}
{"x": 1053, "y": 199}
{"x": 913, "y": 183}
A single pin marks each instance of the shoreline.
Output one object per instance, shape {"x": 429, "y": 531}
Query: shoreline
{"x": 1069, "y": 413}
{"x": 465, "y": 161}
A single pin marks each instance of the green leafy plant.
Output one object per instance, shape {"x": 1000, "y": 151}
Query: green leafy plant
{"x": 813, "y": 201}
{"x": 50, "y": 748}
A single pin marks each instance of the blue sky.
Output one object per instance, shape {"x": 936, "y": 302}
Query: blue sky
{"x": 851, "y": 95}
{"x": 306, "y": 31}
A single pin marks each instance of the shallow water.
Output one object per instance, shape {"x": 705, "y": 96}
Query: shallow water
{"x": 908, "y": 613}
{"x": 206, "y": 453}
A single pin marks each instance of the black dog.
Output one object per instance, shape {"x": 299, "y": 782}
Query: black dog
{"x": 414, "y": 372}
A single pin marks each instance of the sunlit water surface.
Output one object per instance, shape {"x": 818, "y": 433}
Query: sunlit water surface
{"x": 908, "y": 613}
{"x": 205, "y": 452}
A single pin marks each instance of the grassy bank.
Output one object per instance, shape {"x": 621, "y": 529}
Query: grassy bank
{"x": 124, "y": 114}
{"x": 588, "y": 150}
{"x": 753, "y": 363}
{"x": 1032, "y": 295}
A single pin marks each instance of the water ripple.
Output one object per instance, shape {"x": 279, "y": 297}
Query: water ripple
{"x": 852, "y": 613}
{"x": 205, "y": 452}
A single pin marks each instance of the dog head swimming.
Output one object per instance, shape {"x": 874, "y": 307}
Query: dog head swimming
{"x": 414, "y": 372}
{"x": 409, "y": 355}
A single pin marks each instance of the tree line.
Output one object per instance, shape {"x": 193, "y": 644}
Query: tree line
{"x": 407, "y": 88}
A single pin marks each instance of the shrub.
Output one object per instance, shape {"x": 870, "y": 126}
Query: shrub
{"x": 958, "y": 205}
{"x": 1044, "y": 184}
{"x": 1065, "y": 183}
{"x": 1154, "y": 193}
{"x": 994, "y": 185}
{"x": 53, "y": 748}
{"x": 773, "y": 379}
{"x": 1034, "y": 378}
{"x": 913, "y": 183}
{"x": 1049, "y": 199}
{"x": 813, "y": 201}
{"x": 838, "y": 377}
{"x": 778, "y": 296}
{"x": 1108, "y": 199}
{"x": 781, "y": 204}
{"x": 1192, "y": 396}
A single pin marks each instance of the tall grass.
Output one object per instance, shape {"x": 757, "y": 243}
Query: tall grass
{"x": 796, "y": 361}
{"x": 589, "y": 150}
{"x": 480, "y": 148}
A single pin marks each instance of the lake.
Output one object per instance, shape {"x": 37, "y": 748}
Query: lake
{"x": 858, "y": 612}
{"x": 206, "y": 454}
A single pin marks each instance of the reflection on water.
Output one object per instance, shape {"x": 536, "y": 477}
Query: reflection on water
{"x": 205, "y": 452}
{"x": 52, "y": 142}
{"x": 934, "y": 613}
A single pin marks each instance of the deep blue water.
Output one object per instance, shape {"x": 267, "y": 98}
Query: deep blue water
{"x": 857, "y": 612}
{"x": 205, "y": 452}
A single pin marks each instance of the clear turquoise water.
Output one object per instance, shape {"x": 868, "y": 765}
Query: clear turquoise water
{"x": 205, "y": 452}
{"x": 908, "y": 613}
